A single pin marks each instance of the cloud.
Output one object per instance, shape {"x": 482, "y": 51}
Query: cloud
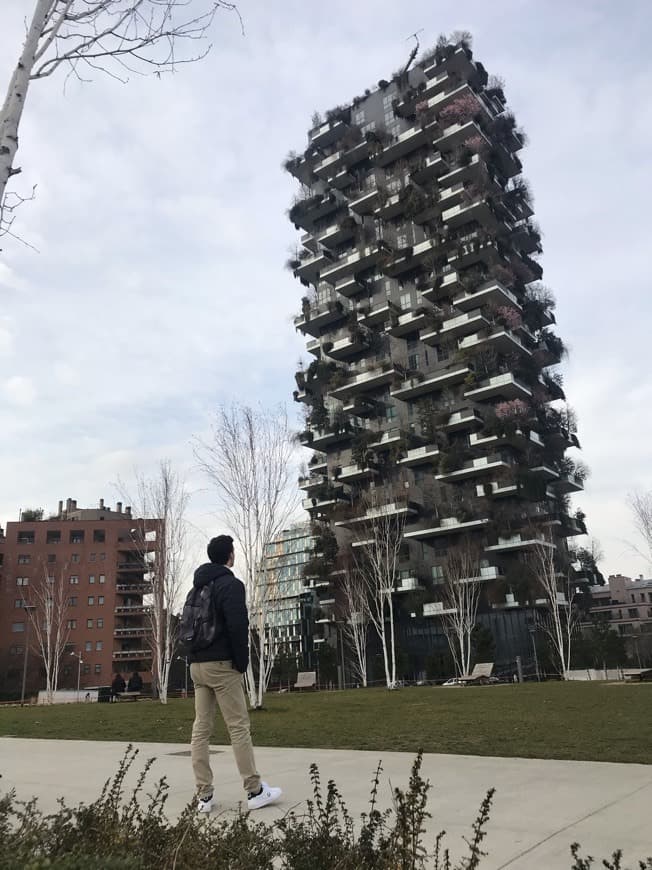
{"x": 20, "y": 391}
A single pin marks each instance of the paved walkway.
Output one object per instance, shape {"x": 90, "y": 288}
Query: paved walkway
{"x": 540, "y": 808}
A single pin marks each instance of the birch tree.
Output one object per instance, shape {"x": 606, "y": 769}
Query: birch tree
{"x": 250, "y": 460}
{"x": 640, "y": 504}
{"x": 377, "y": 562}
{"x": 461, "y": 597}
{"x": 117, "y": 37}
{"x": 48, "y": 602}
{"x": 162, "y": 540}
{"x": 561, "y": 619}
{"x": 356, "y": 625}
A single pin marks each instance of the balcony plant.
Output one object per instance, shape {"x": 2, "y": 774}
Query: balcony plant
{"x": 465, "y": 108}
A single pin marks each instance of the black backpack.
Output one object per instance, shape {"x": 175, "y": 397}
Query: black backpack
{"x": 199, "y": 623}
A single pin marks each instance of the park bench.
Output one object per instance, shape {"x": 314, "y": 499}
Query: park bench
{"x": 306, "y": 680}
{"x": 481, "y": 673}
{"x": 129, "y": 696}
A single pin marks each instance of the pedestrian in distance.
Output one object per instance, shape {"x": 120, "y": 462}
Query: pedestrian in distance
{"x": 215, "y": 632}
{"x": 135, "y": 683}
{"x": 117, "y": 687}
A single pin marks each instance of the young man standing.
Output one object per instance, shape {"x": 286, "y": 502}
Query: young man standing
{"x": 218, "y": 675}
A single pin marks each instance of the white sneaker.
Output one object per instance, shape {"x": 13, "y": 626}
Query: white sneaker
{"x": 205, "y": 805}
{"x": 268, "y": 794}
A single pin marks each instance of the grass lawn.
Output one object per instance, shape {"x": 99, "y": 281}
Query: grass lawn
{"x": 583, "y": 721}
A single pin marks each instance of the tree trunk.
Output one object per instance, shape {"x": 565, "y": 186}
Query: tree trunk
{"x": 392, "y": 641}
{"x": 14, "y": 102}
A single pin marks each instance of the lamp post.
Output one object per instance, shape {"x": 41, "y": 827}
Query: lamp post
{"x": 536, "y": 657}
{"x": 79, "y": 665}
{"x": 27, "y": 608}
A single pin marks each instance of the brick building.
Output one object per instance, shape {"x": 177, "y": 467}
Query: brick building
{"x": 99, "y": 557}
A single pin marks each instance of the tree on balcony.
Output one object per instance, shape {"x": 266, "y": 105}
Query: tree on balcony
{"x": 461, "y": 597}
{"x": 46, "y": 606}
{"x": 249, "y": 459}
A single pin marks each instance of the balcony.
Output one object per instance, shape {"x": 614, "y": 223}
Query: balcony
{"x": 407, "y": 509}
{"x": 473, "y": 170}
{"x": 463, "y": 324}
{"x": 312, "y": 481}
{"x": 336, "y": 233}
{"x": 366, "y": 381}
{"x": 457, "y": 134}
{"x": 331, "y": 498}
{"x": 409, "y": 259}
{"x": 436, "y": 608}
{"x": 518, "y": 438}
{"x": 363, "y": 406}
{"x": 353, "y": 473}
{"x": 570, "y": 483}
{"x": 492, "y": 293}
{"x": 408, "y": 584}
{"x": 500, "y": 339}
{"x": 496, "y": 490}
{"x": 477, "y": 466}
{"x": 405, "y": 143}
{"x": 447, "y": 526}
{"x": 132, "y": 655}
{"x": 422, "y": 386}
{"x": 328, "y": 133}
{"x": 131, "y": 610}
{"x": 341, "y": 179}
{"x": 310, "y": 266}
{"x": 315, "y": 317}
{"x": 388, "y": 438}
{"x": 504, "y": 386}
{"x": 356, "y": 261}
{"x": 433, "y": 166}
{"x": 545, "y": 471}
{"x": 352, "y": 344}
{"x": 425, "y": 455}
{"x": 376, "y": 314}
{"x": 519, "y": 542}
{"x": 479, "y": 211}
{"x": 142, "y": 631}
{"x": 314, "y": 347}
{"x": 327, "y": 166}
{"x": 410, "y": 321}
{"x": 139, "y": 565}
{"x": 350, "y": 286}
{"x": 336, "y": 433}
{"x": 138, "y": 588}
{"x": 366, "y": 202}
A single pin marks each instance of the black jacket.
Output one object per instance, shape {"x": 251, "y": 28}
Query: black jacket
{"x": 232, "y": 641}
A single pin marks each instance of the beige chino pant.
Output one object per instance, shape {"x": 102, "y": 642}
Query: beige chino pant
{"x": 217, "y": 683}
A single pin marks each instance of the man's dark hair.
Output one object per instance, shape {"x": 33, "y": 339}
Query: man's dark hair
{"x": 220, "y": 548}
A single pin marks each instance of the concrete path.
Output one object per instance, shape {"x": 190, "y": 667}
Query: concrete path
{"x": 540, "y": 808}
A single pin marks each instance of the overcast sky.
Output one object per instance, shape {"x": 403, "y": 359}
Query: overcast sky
{"x": 158, "y": 289}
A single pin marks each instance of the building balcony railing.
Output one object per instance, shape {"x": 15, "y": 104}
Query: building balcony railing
{"x": 410, "y": 321}
{"x": 315, "y": 317}
{"x": 408, "y": 584}
{"x": 464, "y": 419}
{"x": 132, "y": 654}
{"x": 365, "y": 201}
{"x": 142, "y": 631}
{"x": 356, "y": 261}
{"x": 422, "y": 386}
{"x": 492, "y": 293}
{"x": 131, "y": 609}
{"x": 462, "y": 324}
{"x": 324, "y": 502}
{"x": 506, "y": 386}
{"x": 432, "y": 166}
{"x": 133, "y": 566}
{"x": 446, "y": 526}
{"x": 138, "y": 588}
{"x": 378, "y": 376}
{"x": 336, "y": 233}
{"x": 335, "y": 433}
{"x": 312, "y": 481}
{"x": 311, "y": 266}
{"x": 516, "y": 438}
{"x": 500, "y": 339}
{"x": 570, "y": 483}
{"x": 421, "y": 455}
{"x": 436, "y": 608}
{"x": 397, "y": 508}
{"x": 350, "y": 345}
{"x": 327, "y": 166}
{"x": 477, "y": 466}
{"x": 479, "y": 211}
{"x": 328, "y": 132}
{"x": 519, "y": 542}
{"x": 355, "y": 472}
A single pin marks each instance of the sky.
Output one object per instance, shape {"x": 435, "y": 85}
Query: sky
{"x": 153, "y": 287}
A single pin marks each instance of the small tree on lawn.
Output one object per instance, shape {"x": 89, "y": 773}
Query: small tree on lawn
{"x": 250, "y": 460}
{"x": 117, "y": 37}
{"x": 356, "y": 625}
{"x": 161, "y": 540}
{"x": 461, "y": 597}
{"x": 47, "y": 606}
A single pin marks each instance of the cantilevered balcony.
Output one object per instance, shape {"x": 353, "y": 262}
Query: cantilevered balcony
{"x": 312, "y": 481}
{"x": 334, "y": 433}
{"x": 479, "y": 210}
{"x": 144, "y": 588}
{"x": 482, "y": 465}
{"x": 136, "y": 631}
{"x": 348, "y": 346}
{"x": 357, "y": 261}
{"x": 123, "y": 655}
{"x": 328, "y": 132}
{"x": 355, "y": 472}
{"x": 407, "y": 509}
{"x": 473, "y": 170}
{"x": 363, "y": 406}
{"x": 426, "y": 455}
{"x": 336, "y": 233}
{"x": 414, "y": 387}
{"x": 570, "y": 483}
{"x": 491, "y": 293}
{"x": 462, "y": 324}
{"x": 467, "y": 418}
{"x": 366, "y": 381}
{"x": 499, "y": 338}
{"x": 388, "y": 438}
{"x": 310, "y": 266}
{"x": 432, "y": 166}
{"x": 446, "y": 526}
{"x": 374, "y": 315}
{"x": 544, "y": 471}
{"x": 405, "y": 143}
{"x": 457, "y": 61}
{"x": 365, "y": 202}
{"x": 332, "y": 497}
{"x": 519, "y": 542}
{"x": 409, "y": 259}
{"x": 410, "y": 321}
{"x": 457, "y": 134}
{"x": 132, "y": 609}
{"x": 315, "y": 317}
{"x": 328, "y": 166}
{"x": 407, "y": 582}
{"x": 517, "y": 438}
{"x": 505, "y": 386}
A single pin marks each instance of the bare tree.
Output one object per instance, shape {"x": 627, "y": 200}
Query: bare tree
{"x": 562, "y": 616}
{"x": 117, "y": 37}
{"x": 461, "y": 597}
{"x": 250, "y": 461}
{"x": 47, "y": 607}
{"x": 356, "y": 626}
{"x": 640, "y": 504}
{"x": 376, "y": 559}
{"x": 162, "y": 541}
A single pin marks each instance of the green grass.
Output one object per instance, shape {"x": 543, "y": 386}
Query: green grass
{"x": 583, "y": 721}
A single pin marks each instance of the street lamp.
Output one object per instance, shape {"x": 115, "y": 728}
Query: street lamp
{"x": 27, "y": 608}
{"x": 81, "y": 662}
{"x": 184, "y": 659}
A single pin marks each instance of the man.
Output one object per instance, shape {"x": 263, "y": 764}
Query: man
{"x": 135, "y": 683}
{"x": 218, "y": 674}
{"x": 117, "y": 687}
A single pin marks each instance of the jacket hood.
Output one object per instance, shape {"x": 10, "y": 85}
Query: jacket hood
{"x": 208, "y": 572}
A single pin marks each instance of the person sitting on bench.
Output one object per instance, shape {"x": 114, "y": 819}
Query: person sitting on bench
{"x": 135, "y": 683}
{"x": 117, "y": 686}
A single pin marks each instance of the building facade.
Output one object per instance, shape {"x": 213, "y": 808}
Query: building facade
{"x": 626, "y": 604}
{"x": 432, "y": 396}
{"x": 91, "y": 562}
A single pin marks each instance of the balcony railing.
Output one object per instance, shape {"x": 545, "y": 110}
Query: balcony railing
{"x": 131, "y": 654}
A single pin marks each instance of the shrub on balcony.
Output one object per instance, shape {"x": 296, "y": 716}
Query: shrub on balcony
{"x": 464, "y": 108}
{"x": 508, "y": 317}
{"x": 476, "y": 144}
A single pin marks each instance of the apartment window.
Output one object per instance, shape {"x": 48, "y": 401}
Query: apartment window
{"x": 22, "y": 581}
{"x": 437, "y": 573}
{"x": 358, "y": 117}
{"x": 98, "y": 669}
{"x": 649, "y": 597}
{"x": 102, "y": 557}
{"x": 24, "y": 560}
{"x": 642, "y": 596}
{"x": 100, "y": 623}
{"x": 77, "y": 537}
{"x": 74, "y": 557}
{"x": 405, "y": 300}
{"x": 72, "y": 601}
{"x": 53, "y": 538}
{"x": 52, "y": 557}
{"x": 92, "y": 557}
{"x": 625, "y": 628}
{"x": 88, "y": 646}
{"x": 25, "y": 537}
{"x": 100, "y": 599}
{"x": 390, "y": 412}
{"x": 91, "y": 578}
{"x": 91, "y": 600}
{"x": 19, "y": 603}
{"x": 402, "y": 240}
{"x": 370, "y": 126}
{"x": 102, "y": 578}
{"x": 413, "y": 361}
{"x": 67, "y": 670}
{"x": 99, "y": 536}
{"x": 89, "y": 623}
{"x": 632, "y": 612}
{"x": 74, "y": 580}
{"x": 16, "y": 650}
{"x": 87, "y": 669}
{"x": 633, "y": 597}
{"x": 17, "y": 627}
{"x": 99, "y": 645}
{"x": 72, "y": 623}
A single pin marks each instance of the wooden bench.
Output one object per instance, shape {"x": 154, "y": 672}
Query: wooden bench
{"x": 480, "y": 673}
{"x": 306, "y": 680}
{"x": 128, "y": 696}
